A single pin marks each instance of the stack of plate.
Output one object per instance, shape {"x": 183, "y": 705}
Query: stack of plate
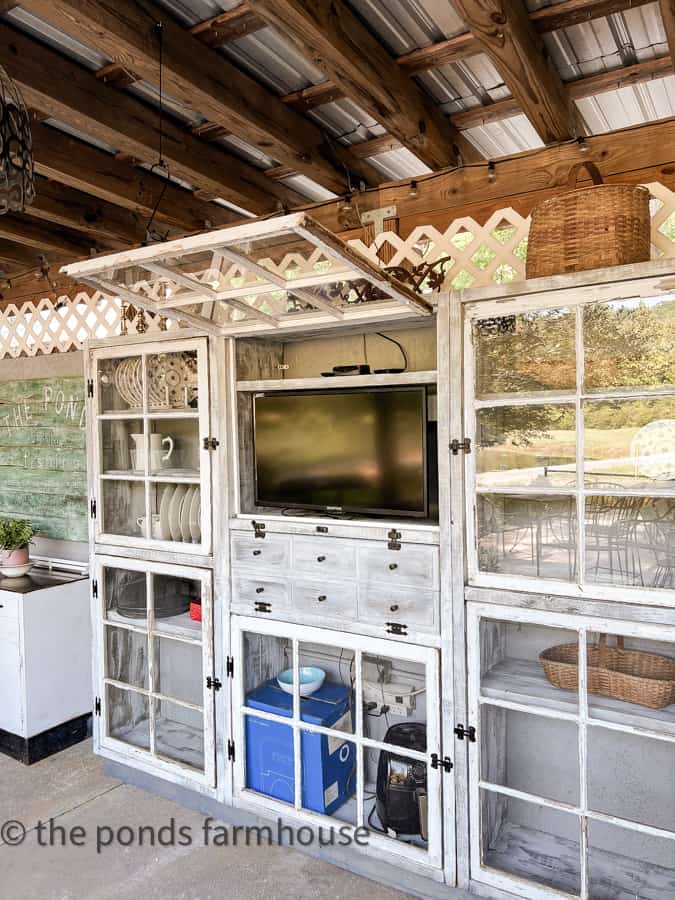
{"x": 179, "y": 514}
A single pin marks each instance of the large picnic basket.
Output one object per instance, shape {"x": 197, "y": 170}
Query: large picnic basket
{"x": 631, "y": 675}
{"x": 589, "y": 228}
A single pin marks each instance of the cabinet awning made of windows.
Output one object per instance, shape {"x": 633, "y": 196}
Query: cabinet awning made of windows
{"x": 280, "y": 273}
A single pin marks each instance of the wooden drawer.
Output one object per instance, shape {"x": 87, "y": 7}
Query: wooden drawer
{"x": 330, "y": 598}
{"x": 414, "y": 565}
{"x": 250, "y": 593}
{"x": 380, "y": 604}
{"x": 324, "y": 557}
{"x": 270, "y": 552}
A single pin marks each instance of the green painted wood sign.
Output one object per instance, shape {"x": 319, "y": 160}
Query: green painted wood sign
{"x": 43, "y": 468}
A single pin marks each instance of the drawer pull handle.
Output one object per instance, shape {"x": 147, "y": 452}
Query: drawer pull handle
{"x": 393, "y": 566}
{"x": 321, "y": 559}
{"x": 394, "y": 607}
{"x": 260, "y": 590}
{"x": 321, "y": 598}
{"x": 257, "y": 552}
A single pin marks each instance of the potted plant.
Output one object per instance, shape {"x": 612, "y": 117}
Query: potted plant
{"x": 15, "y": 535}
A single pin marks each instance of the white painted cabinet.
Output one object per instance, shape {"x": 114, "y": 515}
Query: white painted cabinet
{"x": 572, "y": 792}
{"x": 150, "y": 446}
{"x": 45, "y": 659}
{"x": 156, "y": 670}
{"x": 317, "y": 759}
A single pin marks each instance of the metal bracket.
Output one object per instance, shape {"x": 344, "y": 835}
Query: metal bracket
{"x": 90, "y": 387}
{"x": 438, "y": 763}
{"x": 213, "y": 684}
{"x": 259, "y": 528}
{"x": 262, "y": 606}
{"x": 468, "y": 733}
{"x": 394, "y": 539}
{"x": 230, "y": 750}
{"x": 210, "y": 443}
{"x": 94, "y": 588}
{"x": 457, "y": 445}
{"x": 97, "y": 706}
{"x": 92, "y": 509}
{"x": 376, "y": 217}
{"x": 397, "y": 628}
{"x": 229, "y": 667}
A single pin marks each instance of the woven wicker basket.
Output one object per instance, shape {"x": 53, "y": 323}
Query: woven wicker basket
{"x": 589, "y": 228}
{"x": 630, "y": 675}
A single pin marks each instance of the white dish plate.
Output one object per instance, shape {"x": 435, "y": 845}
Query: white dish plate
{"x": 175, "y": 510}
{"x": 185, "y": 515}
{"x": 164, "y": 506}
{"x": 194, "y": 516}
{"x": 16, "y": 571}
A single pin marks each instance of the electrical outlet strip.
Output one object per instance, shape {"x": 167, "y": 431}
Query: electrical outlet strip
{"x": 400, "y": 698}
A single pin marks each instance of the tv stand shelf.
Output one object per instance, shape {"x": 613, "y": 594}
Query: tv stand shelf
{"x": 338, "y": 381}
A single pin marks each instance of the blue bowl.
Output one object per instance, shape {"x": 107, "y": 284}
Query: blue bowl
{"x": 311, "y": 679}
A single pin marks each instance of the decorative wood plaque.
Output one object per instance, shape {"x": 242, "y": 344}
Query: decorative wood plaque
{"x": 43, "y": 470}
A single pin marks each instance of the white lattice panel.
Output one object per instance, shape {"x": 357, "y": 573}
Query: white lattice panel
{"x": 472, "y": 255}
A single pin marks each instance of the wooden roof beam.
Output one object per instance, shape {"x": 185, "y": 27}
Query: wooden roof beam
{"x": 68, "y": 161}
{"x": 205, "y": 81}
{"x": 338, "y": 43}
{"x": 63, "y": 89}
{"x": 46, "y": 238}
{"x": 506, "y": 35}
{"x": 228, "y": 26}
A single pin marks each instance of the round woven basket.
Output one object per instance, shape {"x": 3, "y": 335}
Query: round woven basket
{"x": 589, "y": 228}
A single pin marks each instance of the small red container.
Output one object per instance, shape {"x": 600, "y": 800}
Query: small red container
{"x": 196, "y": 610}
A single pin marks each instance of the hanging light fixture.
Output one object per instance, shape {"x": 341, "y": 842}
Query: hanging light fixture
{"x": 17, "y": 185}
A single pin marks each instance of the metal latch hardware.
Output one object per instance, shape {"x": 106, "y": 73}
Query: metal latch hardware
{"x": 262, "y": 606}
{"x": 210, "y": 443}
{"x": 397, "y": 628}
{"x": 394, "y": 539}
{"x": 229, "y": 667}
{"x": 230, "y": 750}
{"x": 94, "y": 588}
{"x": 322, "y": 529}
{"x": 468, "y": 733}
{"x": 464, "y": 445}
{"x": 438, "y": 763}
{"x": 258, "y": 528}
{"x": 92, "y": 509}
{"x": 213, "y": 684}
{"x": 90, "y": 387}
{"x": 97, "y": 706}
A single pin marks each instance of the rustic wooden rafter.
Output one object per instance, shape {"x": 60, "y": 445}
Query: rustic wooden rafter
{"x": 339, "y": 44}
{"x": 228, "y": 26}
{"x": 45, "y": 237}
{"x": 205, "y": 81}
{"x": 68, "y": 92}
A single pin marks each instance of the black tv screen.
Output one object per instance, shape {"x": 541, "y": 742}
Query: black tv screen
{"x": 359, "y": 451}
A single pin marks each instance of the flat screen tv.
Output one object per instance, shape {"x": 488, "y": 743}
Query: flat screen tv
{"x": 352, "y": 451}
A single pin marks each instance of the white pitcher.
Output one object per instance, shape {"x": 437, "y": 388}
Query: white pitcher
{"x": 157, "y": 444}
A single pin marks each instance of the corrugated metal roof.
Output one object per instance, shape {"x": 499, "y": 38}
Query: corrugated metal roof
{"x": 404, "y": 25}
{"x": 462, "y": 85}
{"x": 192, "y": 11}
{"x": 273, "y": 61}
{"x": 55, "y": 38}
{"x": 398, "y": 164}
{"x": 512, "y": 135}
{"x": 629, "y": 105}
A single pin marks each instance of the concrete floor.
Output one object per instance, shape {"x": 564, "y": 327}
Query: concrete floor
{"x": 71, "y": 789}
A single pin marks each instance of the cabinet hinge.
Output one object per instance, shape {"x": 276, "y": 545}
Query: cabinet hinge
{"x": 261, "y": 606}
{"x": 258, "y": 528}
{"x": 394, "y": 539}
{"x": 438, "y": 763}
{"x": 210, "y": 443}
{"x": 97, "y": 706}
{"x": 90, "y": 387}
{"x": 229, "y": 667}
{"x": 92, "y": 509}
{"x": 230, "y": 750}
{"x": 94, "y": 588}
{"x": 468, "y": 733}
{"x": 457, "y": 445}
{"x": 397, "y": 628}
{"x": 213, "y": 684}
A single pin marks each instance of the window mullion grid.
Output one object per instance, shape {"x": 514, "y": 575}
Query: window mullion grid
{"x": 153, "y": 680}
{"x": 297, "y": 734}
{"x": 358, "y": 735}
{"x": 583, "y": 758}
{"x": 580, "y": 452}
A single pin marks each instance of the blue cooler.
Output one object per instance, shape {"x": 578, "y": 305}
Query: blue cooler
{"x": 328, "y": 764}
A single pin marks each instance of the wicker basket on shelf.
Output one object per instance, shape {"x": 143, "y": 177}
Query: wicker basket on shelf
{"x": 589, "y": 228}
{"x": 630, "y": 675}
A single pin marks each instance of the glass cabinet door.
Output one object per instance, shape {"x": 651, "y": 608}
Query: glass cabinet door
{"x": 342, "y": 731}
{"x": 572, "y": 790}
{"x": 153, "y": 470}
{"x": 157, "y": 649}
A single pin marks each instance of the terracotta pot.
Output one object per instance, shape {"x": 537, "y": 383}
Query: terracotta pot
{"x": 14, "y": 557}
